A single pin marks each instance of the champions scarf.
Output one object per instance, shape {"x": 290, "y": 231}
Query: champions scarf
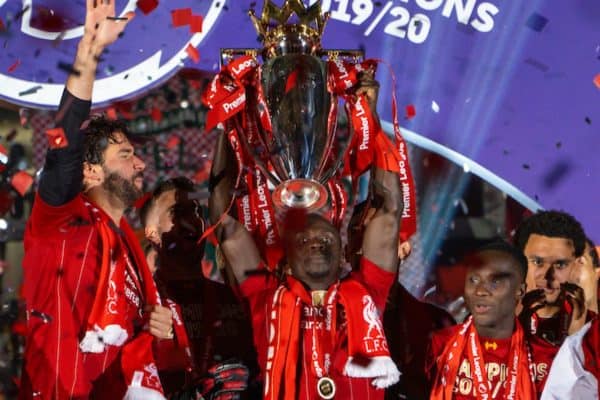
{"x": 363, "y": 327}
{"x": 236, "y": 103}
{"x": 519, "y": 384}
{"x": 107, "y": 324}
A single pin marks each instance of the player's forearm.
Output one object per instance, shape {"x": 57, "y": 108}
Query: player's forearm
{"x": 387, "y": 194}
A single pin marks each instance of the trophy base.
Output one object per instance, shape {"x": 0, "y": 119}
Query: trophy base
{"x": 300, "y": 193}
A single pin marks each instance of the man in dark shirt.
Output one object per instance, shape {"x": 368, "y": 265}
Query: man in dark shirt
{"x": 88, "y": 290}
{"x": 215, "y": 324}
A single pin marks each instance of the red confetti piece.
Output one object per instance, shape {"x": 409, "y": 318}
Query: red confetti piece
{"x": 14, "y": 66}
{"x": 147, "y": 6}
{"x": 156, "y": 114}
{"x": 111, "y": 113}
{"x": 21, "y": 181}
{"x": 195, "y": 84}
{"x": 57, "y": 138}
{"x": 410, "y": 111}
{"x": 125, "y": 110}
{"x": 173, "y": 142}
{"x": 139, "y": 203}
{"x": 181, "y": 17}
{"x": 193, "y": 53}
{"x": 196, "y": 23}
{"x": 597, "y": 81}
{"x": 291, "y": 81}
{"x": 2, "y": 26}
{"x": 201, "y": 175}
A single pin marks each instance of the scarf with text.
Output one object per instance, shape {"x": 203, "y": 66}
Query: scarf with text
{"x": 108, "y": 323}
{"x": 365, "y": 337}
{"x": 520, "y": 382}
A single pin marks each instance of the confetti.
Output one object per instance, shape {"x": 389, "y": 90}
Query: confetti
{"x": 68, "y": 68}
{"x": 139, "y": 203}
{"x": 291, "y": 81}
{"x": 410, "y": 111}
{"x": 588, "y": 120}
{"x": 173, "y": 142}
{"x": 11, "y": 135}
{"x": 21, "y": 181}
{"x": 537, "y": 22}
{"x": 526, "y": 166}
{"x": 31, "y": 90}
{"x": 111, "y": 113}
{"x": 20, "y": 14}
{"x": 193, "y": 53}
{"x": 147, "y": 6}
{"x": 181, "y": 17}
{"x": 556, "y": 174}
{"x": 597, "y": 81}
{"x": 435, "y": 107}
{"x": 201, "y": 175}
{"x": 196, "y": 23}
{"x": 14, "y": 66}
{"x": 558, "y": 145}
{"x": 2, "y": 26}
{"x": 537, "y": 64}
{"x": 156, "y": 114}
{"x": 57, "y": 138}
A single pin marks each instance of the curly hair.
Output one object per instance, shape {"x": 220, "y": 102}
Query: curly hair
{"x": 99, "y": 133}
{"x": 554, "y": 224}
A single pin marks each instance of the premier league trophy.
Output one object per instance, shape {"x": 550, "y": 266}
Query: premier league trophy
{"x": 297, "y": 106}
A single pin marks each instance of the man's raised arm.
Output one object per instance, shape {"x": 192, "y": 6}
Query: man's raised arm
{"x": 62, "y": 175}
{"x": 236, "y": 242}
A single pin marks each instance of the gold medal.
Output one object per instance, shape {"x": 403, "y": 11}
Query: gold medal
{"x": 326, "y": 388}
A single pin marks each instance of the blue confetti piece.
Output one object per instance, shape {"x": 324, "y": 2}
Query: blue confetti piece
{"x": 537, "y": 22}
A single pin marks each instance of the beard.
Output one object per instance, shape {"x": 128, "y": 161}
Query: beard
{"x": 123, "y": 189}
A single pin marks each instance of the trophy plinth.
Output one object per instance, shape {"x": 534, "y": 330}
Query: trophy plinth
{"x": 300, "y": 193}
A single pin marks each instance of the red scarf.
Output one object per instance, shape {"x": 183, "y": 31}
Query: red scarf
{"x": 363, "y": 326}
{"x": 108, "y": 323}
{"x": 520, "y": 382}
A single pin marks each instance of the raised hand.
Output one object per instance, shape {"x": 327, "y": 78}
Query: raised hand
{"x": 531, "y": 302}
{"x": 575, "y": 296}
{"x": 101, "y": 23}
{"x": 369, "y": 87}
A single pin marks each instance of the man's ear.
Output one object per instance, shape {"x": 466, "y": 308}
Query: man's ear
{"x": 93, "y": 175}
{"x": 151, "y": 233}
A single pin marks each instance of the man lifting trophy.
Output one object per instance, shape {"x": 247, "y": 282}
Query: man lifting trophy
{"x": 318, "y": 331}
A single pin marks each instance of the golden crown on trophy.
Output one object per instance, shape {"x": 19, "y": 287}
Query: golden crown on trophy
{"x": 280, "y": 36}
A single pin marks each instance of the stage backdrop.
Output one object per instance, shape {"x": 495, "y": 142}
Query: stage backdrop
{"x": 510, "y": 90}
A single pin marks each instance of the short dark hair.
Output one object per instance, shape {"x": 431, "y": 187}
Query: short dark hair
{"x": 99, "y": 133}
{"x": 554, "y": 224}
{"x": 503, "y": 246}
{"x": 180, "y": 183}
{"x": 593, "y": 253}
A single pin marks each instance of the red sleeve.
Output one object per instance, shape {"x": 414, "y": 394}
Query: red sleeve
{"x": 376, "y": 280}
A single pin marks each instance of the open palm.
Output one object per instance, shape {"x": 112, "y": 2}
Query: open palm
{"x": 99, "y": 24}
